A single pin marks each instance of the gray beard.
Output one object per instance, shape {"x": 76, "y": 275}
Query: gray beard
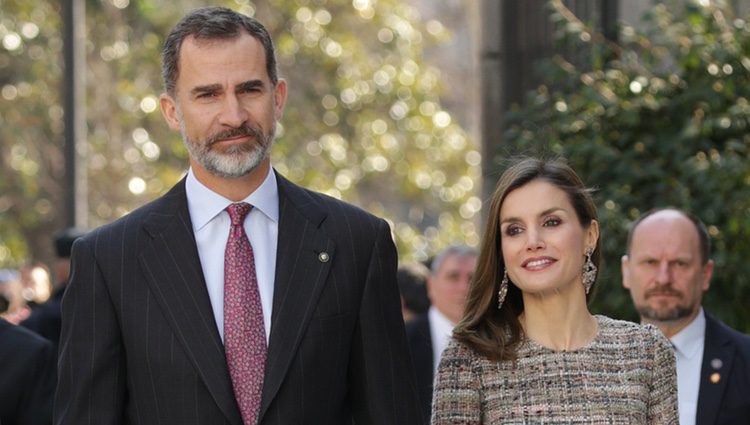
{"x": 674, "y": 314}
{"x": 236, "y": 161}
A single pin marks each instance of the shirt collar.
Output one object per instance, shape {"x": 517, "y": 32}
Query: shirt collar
{"x": 689, "y": 340}
{"x": 439, "y": 320}
{"x": 205, "y": 204}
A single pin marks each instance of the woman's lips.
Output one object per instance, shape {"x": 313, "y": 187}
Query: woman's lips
{"x": 537, "y": 263}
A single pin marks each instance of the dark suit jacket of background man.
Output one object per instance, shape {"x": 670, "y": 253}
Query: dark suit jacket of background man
{"x": 140, "y": 342}
{"x": 420, "y": 342}
{"x": 27, "y": 376}
{"x": 46, "y": 319}
{"x": 726, "y": 402}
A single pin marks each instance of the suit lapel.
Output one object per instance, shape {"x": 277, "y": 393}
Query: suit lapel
{"x": 175, "y": 276}
{"x": 718, "y": 351}
{"x": 303, "y": 260}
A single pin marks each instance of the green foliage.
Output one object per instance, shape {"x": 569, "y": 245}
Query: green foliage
{"x": 659, "y": 119}
{"x": 363, "y": 121}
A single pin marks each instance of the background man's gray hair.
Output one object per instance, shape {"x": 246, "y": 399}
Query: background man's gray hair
{"x": 453, "y": 250}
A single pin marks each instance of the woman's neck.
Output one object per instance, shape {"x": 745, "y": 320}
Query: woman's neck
{"x": 558, "y": 323}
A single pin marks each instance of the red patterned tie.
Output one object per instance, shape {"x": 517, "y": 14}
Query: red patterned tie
{"x": 244, "y": 334}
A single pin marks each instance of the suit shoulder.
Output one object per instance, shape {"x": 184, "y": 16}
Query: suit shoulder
{"x": 741, "y": 339}
{"x": 125, "y": 225}
{"x": 24, "y": 341}
{"x": 339, "y": 208}
{"x": 316, "y": 205}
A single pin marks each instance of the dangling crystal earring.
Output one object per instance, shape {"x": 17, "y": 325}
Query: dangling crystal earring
{"x": 503, "y": 291}
{"x": 589, "y": 271}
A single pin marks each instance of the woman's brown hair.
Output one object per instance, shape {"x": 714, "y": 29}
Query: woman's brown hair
{"x": 496, "y": 333}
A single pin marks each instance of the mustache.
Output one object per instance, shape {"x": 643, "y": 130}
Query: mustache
{"x": 246, "y": 129}
{"x": 663, "y": 291}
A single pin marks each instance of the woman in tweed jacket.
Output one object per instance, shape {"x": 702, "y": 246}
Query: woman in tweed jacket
{"x": 528, "y": 351}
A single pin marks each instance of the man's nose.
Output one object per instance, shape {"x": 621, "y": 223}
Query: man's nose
{"x": 663, "y": 273}
{"x": 233, "y": 114}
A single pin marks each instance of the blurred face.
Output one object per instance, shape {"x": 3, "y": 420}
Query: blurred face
{"x": 663, "y": 271}
{"x": 449, "y": 285}
{"x": 543, "y": 242}
{"x": 225, "y": 105}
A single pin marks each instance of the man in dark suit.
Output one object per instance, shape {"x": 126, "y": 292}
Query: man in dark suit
{"x": 412, "y": 285}
{"x": 667, "y": 269}
{"x": 150, "y": 318}
{"x": 27, "y": 376}
{"x": 428, "y": 334}
{"x": 46, "y": 319}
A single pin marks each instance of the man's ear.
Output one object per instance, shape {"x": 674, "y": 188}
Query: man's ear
{"x": 624, "y": 269}
{"x": 169, "y": 111}
{"x": 708, "y": 270}
{"x": 279, "y": 96}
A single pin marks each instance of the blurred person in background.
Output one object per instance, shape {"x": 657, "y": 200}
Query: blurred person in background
{"x": 528, "y": 350}
{"x": 667, "y": 269}
{"x": 36, "y": 284}
{"x": 428, "y": 334}
{"x": 46, "y": 319}
{"x": 412, "y": 285}
{"x": 15, "y": 308}
{"x": 27, "y": 376}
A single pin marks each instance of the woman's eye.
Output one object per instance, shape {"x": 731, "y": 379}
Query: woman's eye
{"x": 512, "y": 230}
{"x": 552, "y": 222}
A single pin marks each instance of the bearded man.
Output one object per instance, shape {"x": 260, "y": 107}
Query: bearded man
{"x": 667, "y": 270}
{"x": 237, "y": 297}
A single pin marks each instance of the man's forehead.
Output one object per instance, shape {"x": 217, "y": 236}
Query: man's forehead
{"x": 670, "y": 233}
{"x": 204, "y": 62}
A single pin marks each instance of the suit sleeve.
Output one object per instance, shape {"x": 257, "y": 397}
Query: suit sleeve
{"x": 662, "y": 409}
{"x": 91, "y": 367}
{"x": 381, "y": 375}
{"x": 457, "y": 397}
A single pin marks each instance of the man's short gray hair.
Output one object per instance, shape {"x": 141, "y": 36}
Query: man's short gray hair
{"x": 452, "y": 251}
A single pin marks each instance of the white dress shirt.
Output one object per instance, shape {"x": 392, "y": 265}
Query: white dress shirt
{"x": 211, "y": 225}
{"x": 441, "y": 329}
{"x": 689, "y": 344}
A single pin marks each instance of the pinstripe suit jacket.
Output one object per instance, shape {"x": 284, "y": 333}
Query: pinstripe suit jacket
{"x": 140, "y": 345}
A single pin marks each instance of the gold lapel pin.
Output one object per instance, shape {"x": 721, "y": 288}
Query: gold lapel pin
{"x": 323, "y": 257}
{"x": 715, "y": 378}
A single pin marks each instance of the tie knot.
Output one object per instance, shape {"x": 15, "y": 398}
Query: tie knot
{"x": 238, "y": 211}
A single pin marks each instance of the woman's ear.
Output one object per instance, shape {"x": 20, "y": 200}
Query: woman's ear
{"x": 592, "y": 234}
